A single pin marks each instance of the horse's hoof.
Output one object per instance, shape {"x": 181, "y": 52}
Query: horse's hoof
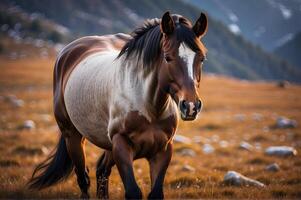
{"x": 101, "y": 195}
{"x": 156, "y": 195}
{"x": 84, "y": 196}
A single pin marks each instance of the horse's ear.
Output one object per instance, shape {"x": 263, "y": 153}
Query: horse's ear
{"x": 201, "y": 25}
{"x": 167, "y": 24}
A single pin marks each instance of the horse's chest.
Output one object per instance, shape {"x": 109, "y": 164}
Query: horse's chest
{"x": 148, "y": 137}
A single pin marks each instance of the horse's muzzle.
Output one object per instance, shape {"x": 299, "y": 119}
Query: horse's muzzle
{"x": 189, "y": 110}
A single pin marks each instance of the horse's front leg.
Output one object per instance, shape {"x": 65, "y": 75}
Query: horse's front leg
{"x": 123, "y": 156}
{"x": 158, "y": 166}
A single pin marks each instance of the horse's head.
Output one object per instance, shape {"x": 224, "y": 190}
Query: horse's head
{"x": 183, "y": 55}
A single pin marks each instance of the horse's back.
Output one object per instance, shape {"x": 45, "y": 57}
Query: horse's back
{"x": 67, "y": 61}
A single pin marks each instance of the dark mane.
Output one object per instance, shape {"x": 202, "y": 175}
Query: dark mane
{"x": 146, "y": 40}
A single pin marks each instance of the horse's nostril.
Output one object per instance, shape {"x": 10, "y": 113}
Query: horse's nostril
{"x": 183, "y": 105}
{"x": 198, "y": 105}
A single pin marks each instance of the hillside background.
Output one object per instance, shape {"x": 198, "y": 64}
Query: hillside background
{"x": 247, "y": 40}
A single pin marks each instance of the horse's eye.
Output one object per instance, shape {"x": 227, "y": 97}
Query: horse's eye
{"x": 167, "y": 58}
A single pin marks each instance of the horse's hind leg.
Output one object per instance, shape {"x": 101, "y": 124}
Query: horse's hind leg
{"x": 103, "y": 171}
{"x": 76, "y": 150}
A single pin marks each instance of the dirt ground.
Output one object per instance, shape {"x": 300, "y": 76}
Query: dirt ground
{"x": 234, "y": 111}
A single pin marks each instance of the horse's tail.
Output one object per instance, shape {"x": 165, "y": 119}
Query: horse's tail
{"x": 57, "y": 167}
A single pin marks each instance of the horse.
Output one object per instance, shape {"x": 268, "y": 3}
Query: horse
{"x": 125, "y": 94}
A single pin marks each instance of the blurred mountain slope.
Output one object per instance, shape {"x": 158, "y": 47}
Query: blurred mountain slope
{"x": 291, "y": 50}
{"x": 229, "y": 54}
{"x": 268, "y": 23}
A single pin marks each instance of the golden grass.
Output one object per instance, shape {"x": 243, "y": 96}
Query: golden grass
{"x": 224, "y": 98}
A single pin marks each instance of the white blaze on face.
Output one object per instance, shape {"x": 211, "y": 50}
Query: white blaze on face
{"x": 188, "y": 56}
{"x": 191, "y": 107}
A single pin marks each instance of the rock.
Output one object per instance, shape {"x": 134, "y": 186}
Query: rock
{"x": 207, "y": 149}
{"x": 223, "y": 144}
{"x": 186, "y": 152}
{"x": 197, "y": 139}
{"x": 245, "y": 146}
{"x": 14, "y": 101}
{"x": 201, "y": 140}
{"x": 237, "y": 179}
{"x": 215, "y": 138}
{"x": 283, "y": 84}
{"x": 281, "y": 151}
{"x": 240, "y": 117}
{"x": 18, "y": 103}
{"x": 266, "y": 129}
{"x": 188, "y": 168}
{"x": 45, "y": 150}
{"x": 181, "y": 139}
{"x": 45, "y": 117}
{"x": 283, "y": 122}
{"x": 28, "y": 124}
{"x": 257, "y": 116}
{"x": 273, "y": 167}
{"x": 257, "y": 146}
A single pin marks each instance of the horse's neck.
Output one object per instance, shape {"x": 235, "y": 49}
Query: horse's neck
{"x": 157, "y": 103}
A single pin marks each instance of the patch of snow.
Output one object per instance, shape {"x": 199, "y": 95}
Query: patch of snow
{"x": 284, "y": 39}
{"x": 286, "y": 13}
{"x": 234, "y": 28}
{"x": 233, "y": 17}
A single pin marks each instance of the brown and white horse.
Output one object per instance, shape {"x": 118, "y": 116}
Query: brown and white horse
{"x": 122, "y": 93}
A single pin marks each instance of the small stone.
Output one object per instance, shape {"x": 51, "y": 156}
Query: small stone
{"x": 45, "y": 150}
{"x": 215, "y": 138}
{"x": 181, "y": 139}
{"x": 207, "y": 148}
{"x": 14, "y": 101}
{"x": 223, "y": 144}
{"x": 245, "y": 146}
{"x": 237, "y": 179}
{"x": 188, "y": 168}
{"x": 266, "y": 129}
{"x": 283, "y": 122}
{"x": 257, "y": 146}
{"x": 28, "y": 124}
{"x": 198, "y": 139}
{"x": 187, "y": 152}
{"x": 257, "y": 116}
{"x": 281, "y": 151}
{"x": 283, "y": 84}
{"x": 240, "y": 117}
{"x": 45, "y": 117}
{"x": 18, "y": 103}
{"x": 273, "y": 167}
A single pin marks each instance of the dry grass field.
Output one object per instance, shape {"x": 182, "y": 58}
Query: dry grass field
{"x": 234, "y": 111}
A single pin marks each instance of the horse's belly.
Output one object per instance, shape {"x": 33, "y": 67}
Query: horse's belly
{"x": 87, "y": 102}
